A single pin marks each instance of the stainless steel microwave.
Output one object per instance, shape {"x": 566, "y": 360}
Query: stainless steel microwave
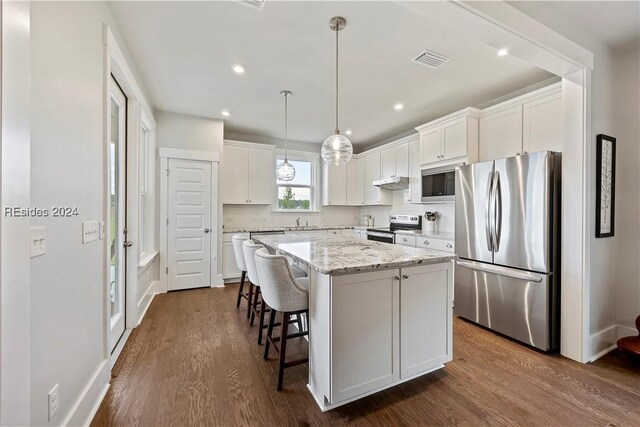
{"x": 439, "y": 184}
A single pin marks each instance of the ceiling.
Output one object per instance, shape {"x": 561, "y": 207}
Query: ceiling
{"x": 615, "y": 23}
{"x": 184, "y": 52}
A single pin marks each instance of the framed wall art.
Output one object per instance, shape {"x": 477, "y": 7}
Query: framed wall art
{"x": 605, "y": 185}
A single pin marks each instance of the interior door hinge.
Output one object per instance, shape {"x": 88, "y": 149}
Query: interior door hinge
{"x": 167, "y": 172}
{"x": 166, "y": 270}
{"x": 167, "y": 221}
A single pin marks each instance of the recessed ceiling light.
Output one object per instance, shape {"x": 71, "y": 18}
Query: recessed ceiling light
{"x": 503, "y": 52}
{"x": 238, "y": 69}
{"x": 348, "y": 132}
{"x": 398, "y": 107}
{"x": 225, "y": 113}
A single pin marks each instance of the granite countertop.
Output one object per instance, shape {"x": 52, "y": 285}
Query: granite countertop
{"x": 331, "y": 254}
{"x": 444, "y": 235}
{"x": 294, "y": 228}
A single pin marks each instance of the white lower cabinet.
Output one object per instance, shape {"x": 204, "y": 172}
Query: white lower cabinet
{"x": 364, "y": 318}
{"x": 384, "y": 327}
{"x": 426, "y": 314}
{"x": 229, "y": 266}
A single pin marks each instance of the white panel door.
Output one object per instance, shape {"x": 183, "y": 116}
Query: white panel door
{"x": 454, "y": 139}
{"x": 235, "y": 175}
{"x": 501, "y": 134}
{"x": 430, "y": 145}
{"x": 355, "y": 182}
{"x": 189, "y": 214}
{"x": 542, "y": 124}
{"x": 425, "y": 299}
{"x": 364, "y": 339}
{"x": 262, "y": 177}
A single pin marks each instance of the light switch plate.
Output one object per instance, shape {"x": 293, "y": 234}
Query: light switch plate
{"x": 90, "y": 231}
{"x": 38, "y": 241}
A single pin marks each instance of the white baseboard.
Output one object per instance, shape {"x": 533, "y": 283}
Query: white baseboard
{"x": 87, "y": 405}
{"x": 602, "y": 342}
{"x": 145, "y": 301}
{"x": 626, "y": 331}
{"x": 217, "y": 281}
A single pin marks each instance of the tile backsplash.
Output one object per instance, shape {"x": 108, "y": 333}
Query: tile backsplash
{"x": 237, "y": 216}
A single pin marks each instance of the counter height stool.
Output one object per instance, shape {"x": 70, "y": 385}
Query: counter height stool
{"x": 283, "y": 293}
{"x": 237, "y": 240}
{"x": 249, "y": 248}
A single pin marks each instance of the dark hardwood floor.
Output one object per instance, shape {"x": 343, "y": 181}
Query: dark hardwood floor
{"x": 194, "y": 361}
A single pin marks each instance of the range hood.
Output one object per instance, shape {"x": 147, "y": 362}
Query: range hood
{"x": 394, "y": 183}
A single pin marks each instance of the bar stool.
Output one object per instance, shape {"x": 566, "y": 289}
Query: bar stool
{"x": 284, "y": 294}
{"x": 237, "y": 240}
{"x": 249, "y": 248}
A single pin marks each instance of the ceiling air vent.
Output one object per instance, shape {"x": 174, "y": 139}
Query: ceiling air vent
{"x": 254, "y": 4}
{"x": 430, "y": 59}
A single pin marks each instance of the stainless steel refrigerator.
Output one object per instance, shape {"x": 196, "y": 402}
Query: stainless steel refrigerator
{"x": 508, "y": 243}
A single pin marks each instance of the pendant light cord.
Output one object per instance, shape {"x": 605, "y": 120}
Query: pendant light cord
{"x": 337, "y": 74}
{"x": 286, "y": 116}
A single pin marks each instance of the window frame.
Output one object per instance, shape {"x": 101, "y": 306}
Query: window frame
{"x": 300, "y": 156}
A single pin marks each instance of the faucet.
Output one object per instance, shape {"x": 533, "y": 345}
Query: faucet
{"x": 297, "y": 222}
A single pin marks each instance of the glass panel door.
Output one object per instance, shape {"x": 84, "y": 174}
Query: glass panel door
{"x": 116, "y": 221}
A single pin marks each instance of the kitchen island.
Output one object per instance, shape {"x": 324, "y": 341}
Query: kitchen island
{"x": 379, "y": 314}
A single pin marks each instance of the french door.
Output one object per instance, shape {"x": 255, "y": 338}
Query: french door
{"x": 116, "y": 223}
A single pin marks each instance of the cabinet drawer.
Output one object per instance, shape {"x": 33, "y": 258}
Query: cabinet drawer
{"x": 405, "y": 240}
{"x": 437, "y": 244}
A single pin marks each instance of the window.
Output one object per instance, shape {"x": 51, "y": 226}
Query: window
{"x": 299, "y": 194}
{"x": 145, "y": 178}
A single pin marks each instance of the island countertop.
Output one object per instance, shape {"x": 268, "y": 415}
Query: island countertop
{"x": 331, "y": 254}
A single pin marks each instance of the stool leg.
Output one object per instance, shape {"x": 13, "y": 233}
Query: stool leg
{"x": 250, "y": 299}
{"x": 284, "y": 331}
{"x": 263, "y": 307}
{"x": 241, "y": 288}
{"x": 299, "y": 321}
{"x": 272, "y": 320}
{"x": 256, "y": 294}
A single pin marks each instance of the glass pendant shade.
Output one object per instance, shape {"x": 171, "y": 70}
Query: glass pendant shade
{"x": 336, "y": 150}
{"x": 285, "y": 171}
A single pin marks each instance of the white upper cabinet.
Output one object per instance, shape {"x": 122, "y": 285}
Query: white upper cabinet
{"x": 542, "y": 124}
{"x": 334, "y": 184}
{"x": 415, "y": 174}
{"x": 247, "y": 173}
{"x": 501, "y": 134}
{"x": 372, "y": 172}
{"x": 355, "y": 181}
{"x": 453, "y": 137}
{"x": 394, "y": 161}
{"x": 526, "y": 124}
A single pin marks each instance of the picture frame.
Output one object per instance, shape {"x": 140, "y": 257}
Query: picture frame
{"x": 605, "y": 185}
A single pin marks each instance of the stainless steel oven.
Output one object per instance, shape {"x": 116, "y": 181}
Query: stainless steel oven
{"x": 396, "y": 222}
{"x": 381, "y": 236}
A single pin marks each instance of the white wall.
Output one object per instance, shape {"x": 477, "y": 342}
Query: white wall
{"x": 14, "y": 191}
{"x": 627, "y": 99}
{"x": 190, "y": 133}
{"x": 68, "y": 331}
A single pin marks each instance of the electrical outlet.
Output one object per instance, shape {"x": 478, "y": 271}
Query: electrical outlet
{"x": 53, "y": 401}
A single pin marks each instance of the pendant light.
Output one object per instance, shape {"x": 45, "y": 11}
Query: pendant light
{"x": 337, "y": 149}
{"x": 285, "y": 170}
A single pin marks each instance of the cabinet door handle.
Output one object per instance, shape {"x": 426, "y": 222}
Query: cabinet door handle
{"x": 426, "y": 242}
{"x": 404, "y": 240}
{"x": 518, "y": 153}
{"x": 405, "y": 276}
{"x": 449, "y": 245}
{"x": 396, "y": 277}
{"x": 525, "y": 152}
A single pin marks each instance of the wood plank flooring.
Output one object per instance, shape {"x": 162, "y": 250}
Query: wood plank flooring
{"x": 194, "y": 361}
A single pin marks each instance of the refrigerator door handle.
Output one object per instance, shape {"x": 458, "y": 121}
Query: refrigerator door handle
{"x": 501, "y": 271}
{"x": 488, "y": 213}
{"x": 497, "y": 211}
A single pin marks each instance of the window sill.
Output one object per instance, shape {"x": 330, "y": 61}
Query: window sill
{"x": 146, "y": 259}
{"x": 273, "y": 210}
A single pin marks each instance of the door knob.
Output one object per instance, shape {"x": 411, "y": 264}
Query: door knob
{"x": 127, "y": 244}
{"x": 206, "y": 230}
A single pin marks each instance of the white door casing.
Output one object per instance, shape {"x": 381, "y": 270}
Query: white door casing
{"x": 189, "y": 226}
